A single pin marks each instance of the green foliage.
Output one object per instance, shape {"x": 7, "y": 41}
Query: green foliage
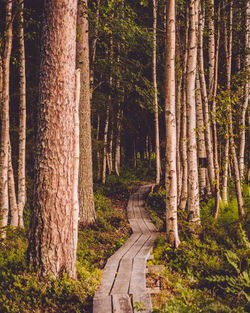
{"x": 209, "y": 273}
{"x": 23, "y": 291}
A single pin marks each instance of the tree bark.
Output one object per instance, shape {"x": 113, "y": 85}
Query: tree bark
{"x": 12, "y": 192}
{"x": 85, "y": 188}
{"x": 211, "y": 49}
{"x": 22, "y": 122}
{"x": 193, "y": 183}
{"x": 105, "y": 142}
{"x": 207, "y": 128}
{"x": 4, "y": 206}
{"x": 214, "y": 124}
{"x": 201, "y": 138}
{"x": 246, "y": 95}
{"x": 183, "y": 139}
{"x": 52, "y": 241}
{"x": 170, "y": 120}
{"x": 156, "y": 110}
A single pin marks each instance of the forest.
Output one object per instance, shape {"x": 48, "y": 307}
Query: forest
{"x": 115, "y": 113}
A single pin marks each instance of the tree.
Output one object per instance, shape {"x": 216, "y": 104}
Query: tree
{"x": 154, "y": 74}
{"x": 86, "y": 196}
{"x": 193, "y": 183}
{"x": 22, "y": 120}
{"x": 4, "y": 144}
{"x": 52, "y": 241}
{"x": 170, "y": 120}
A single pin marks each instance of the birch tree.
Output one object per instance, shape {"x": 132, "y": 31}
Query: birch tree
{"x": 193, "y": 183}
{"x": 22, "y": 120}
{"x": 52, "y": 240}
{"x": 156, "y": 110}
{"x": 170, "y": 120}
{"x": 4, "y": 148}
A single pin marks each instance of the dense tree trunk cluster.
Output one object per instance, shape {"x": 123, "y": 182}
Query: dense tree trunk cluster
{"x": 121, "y": 85}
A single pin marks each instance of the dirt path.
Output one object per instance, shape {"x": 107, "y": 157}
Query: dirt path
{"x": 124, "y": 278}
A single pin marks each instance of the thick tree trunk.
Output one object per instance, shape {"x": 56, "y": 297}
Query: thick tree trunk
{"x": 246, "y": 95}
{"x": 4, "y": 207}
{"x": 193, "y": 180}
{"x": 156, "y": 111}
{"x": 207, "y": 128}
{"x": 85, "y": 188}
{"x": 170, "y": 119}
{"x": 22, "y": 122}
{"x": 12, "y": 192}
{"x": 201, "y": 138}
{"x": 52, "y": 237}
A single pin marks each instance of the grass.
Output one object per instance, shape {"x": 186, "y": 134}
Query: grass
{"x": 205, "y": 274}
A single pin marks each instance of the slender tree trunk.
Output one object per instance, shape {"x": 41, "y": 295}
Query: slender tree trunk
{"x": 134, "y": 154}
{"x": 22, "y": 122}
{"x": 98, "y": 155}
{"x": 228, "y": 52}
{"x": 214, "y": 125}
{"x": 183, "y": 140}
{"x": 178, "y": 131}
{"x": 170, "y": 119}
{"x": 211, "y": 48}
{"x": 76, "y": 157}
{"x": 193, "y": 182}
{"x": 85, "y": 188}
{"x": 93, "y": 48}
{"x": 4, "y": 207}
{"x": 105, "y": 142}
{"x": 12, "y": 191}
{"x": 52, "y": 237}
{"x": 201, "y": 138}
{"x": 156, "y": 111}
{"x": 110, "y": 150}
{"x": 118, "y": 141}
{"x": 246, "y": 95}
{"x": 207, "y": 128}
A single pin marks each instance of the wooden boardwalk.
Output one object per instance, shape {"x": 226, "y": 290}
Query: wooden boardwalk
{"x": 124, "y": 277}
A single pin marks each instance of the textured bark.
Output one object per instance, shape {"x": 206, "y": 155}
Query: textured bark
{"x": 12, "y": 192}
{"x": 105, "y": 142}
{"x": 118, "y": 141}
{"x": 178, "y": 131}
{"x": 4, "y": 208}
{"x": 214, "y": 125}
{"x": 170, "y": 120}
{"x": 193, "y": 181}
{"x": 183, "y": 139}
{"x": 76, "y": 156}
{"x": 156, "y": 111}
{"x": 208, "y": 135}
{"x": 52, "y": 242}
{"x": 246, "y": 95}
{"x": 85, "y": 187}
{"x": 93, "y": 48}
{"x": 211, "y": 48}
{"x": 201, "y": 138}
{"x": 110, "y": 150}
{"x": 98, "y": 155}
{"x": 228, "y": 52}
{"x": 21, "y": 198}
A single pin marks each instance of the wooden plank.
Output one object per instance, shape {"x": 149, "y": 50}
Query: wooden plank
{"x": 102, "y": 305}
{"x": 145, "y": 302}
{"x": 122, "y": 281}
{"x": 122, "y": 303}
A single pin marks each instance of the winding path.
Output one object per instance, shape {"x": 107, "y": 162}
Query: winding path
{"x": 124, "y": 277}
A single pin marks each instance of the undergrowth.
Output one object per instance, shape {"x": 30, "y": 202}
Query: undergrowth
{"x": 22, "y": 290}
{"x": 209, "y": 273}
